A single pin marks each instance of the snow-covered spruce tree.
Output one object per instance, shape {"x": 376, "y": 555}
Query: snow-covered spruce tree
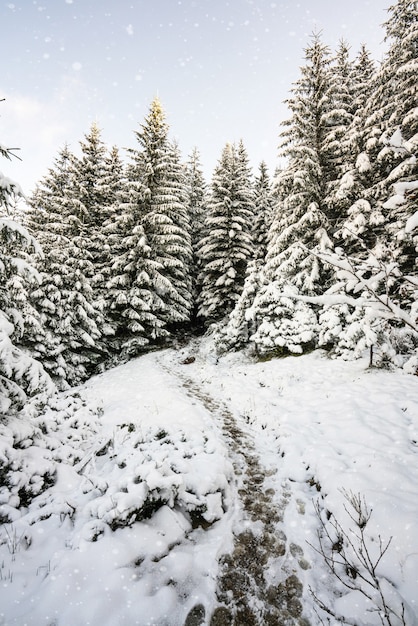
{"x": 115, "y": 183}
{"x": 89, "y": 194}
{"x": 133, "y": 290}
{"x": 241, "y": 324}
{"x": 347, "y": 176}
{"x": 359, "y": 312}
{"x": 196, "y": 204}
{"x": 227, "y": 247}
{"x": 158, "y": 177}
{"x": 137, "y": 308}
{"x": 183, "y": 249}
{"x": 399, "y": 190}
{"x": 339, "y": 119}
{"x": 263, "y": 211}
{"x": 65, "y": 296}
{"x": 98, "y": 184}
{"x": 21, "y": 376}
{"x": 388, "y": 151}
{"x": 354, "y": 211}
{"x": 302, "y": 187}
{"x": 301, "y": 223}
{"x": 362, "y": 80}
{"x": 378, "y": 238}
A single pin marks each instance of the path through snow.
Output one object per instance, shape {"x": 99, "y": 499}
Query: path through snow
{"x": 251, "y": 588}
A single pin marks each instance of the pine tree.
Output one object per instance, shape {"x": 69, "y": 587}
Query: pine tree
{"x": 98, "y": 181}
{"x": 21, "y": 376}
{"x": 133, "y": 288}
{"x": 158, "y": 177}
{"x": 196, "y": 204}
{"x": 263, "y": 212}
{"x": 65, "y": 296}
{"x": 388, "y": 145}
{"x": 363, "y": 72}
{"x": 241, "y": 322}
{"x": 399, "y": 189}
{"x": 380, "y": 242}
{"x": 301, "y": 223}
{"x": 354, "y": 209}
{"x": 227, "y": 247}
{"x": 107, "y": 237}
{"x": 137, "y": 287}
{"x": 339, "y": 119}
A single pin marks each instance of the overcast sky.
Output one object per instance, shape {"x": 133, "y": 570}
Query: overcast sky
{"x": 222, "y": 70}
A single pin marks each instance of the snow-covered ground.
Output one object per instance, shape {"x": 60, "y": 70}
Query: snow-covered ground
{"x": 120, "y": 503}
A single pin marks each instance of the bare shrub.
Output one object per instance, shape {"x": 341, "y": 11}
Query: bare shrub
{"x": 353, "y": 556}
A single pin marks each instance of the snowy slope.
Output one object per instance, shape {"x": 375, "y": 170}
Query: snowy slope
{"x": 168, "y": 488}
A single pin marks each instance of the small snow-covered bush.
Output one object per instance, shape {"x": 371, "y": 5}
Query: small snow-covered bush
{"x": 285, "y": 324}
{"x": 33, "y": 444}
{"x": 145, "y": 471}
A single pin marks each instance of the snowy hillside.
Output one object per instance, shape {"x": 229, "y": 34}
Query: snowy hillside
{"x": 182, "y": 489}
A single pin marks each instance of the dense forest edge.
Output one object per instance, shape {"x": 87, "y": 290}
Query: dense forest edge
{"x": 109, "y": 259}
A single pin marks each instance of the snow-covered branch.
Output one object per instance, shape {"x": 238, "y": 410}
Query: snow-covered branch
{"x": 365, "y": 277}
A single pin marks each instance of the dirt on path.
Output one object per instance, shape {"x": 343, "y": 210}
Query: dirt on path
{"x": 258, "y": 583}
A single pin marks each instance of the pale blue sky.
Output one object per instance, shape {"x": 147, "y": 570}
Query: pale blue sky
{"x": 222, "y": 70}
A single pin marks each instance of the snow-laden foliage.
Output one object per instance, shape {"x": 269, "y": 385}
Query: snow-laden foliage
{"x": 21, "y": 376}
{"x": 136, "y": 281}
{"x": 285, "y": 323}
{"x": 301, "y": 216}
{"x": 372, "y": 304}
{"x": 227, "y": 245}
{"x": 196, "y": 197}
{"x": 66, "y": 230}
{"x": 263, "y": 212}
{"x": 237, "y": 331}
{"x": 157, "y": 177}
{"x": 33, "y": 446}
{"x": 350, "y": 181}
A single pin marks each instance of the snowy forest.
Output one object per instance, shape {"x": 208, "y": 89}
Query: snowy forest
{"x": 164, "y": 457}
{"x": 110, "y": 259}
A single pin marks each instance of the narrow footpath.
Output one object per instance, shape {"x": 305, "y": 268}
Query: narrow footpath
{"x": 247, "y": 591}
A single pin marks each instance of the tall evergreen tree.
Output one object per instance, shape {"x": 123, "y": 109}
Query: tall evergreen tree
{"x": 384, "y": 184}
{"x": 339, "y": 119}
{"x": 241, "y": 323}
{"x": 380, "y": 234}
{"x": 227, "y": 247}
{"x": 89, "y": 192}
{"x": 98, "y": 181}
{"x": 263, "y": 212}
{"x": 107, "y": 235}
{"x": 157, "y": 175}
{"x": 387, "y": 157}
{"x": 363, "y": 72}
{"x": 133, "y": 290}
{"x": 301, "y": 225}
{"x": 354, "y": 210}
{"x": 65, "y": 296}
{"x": 301, "y": 222}
{"x": 399, "y": 189}
{"x": 196, "y": 203}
